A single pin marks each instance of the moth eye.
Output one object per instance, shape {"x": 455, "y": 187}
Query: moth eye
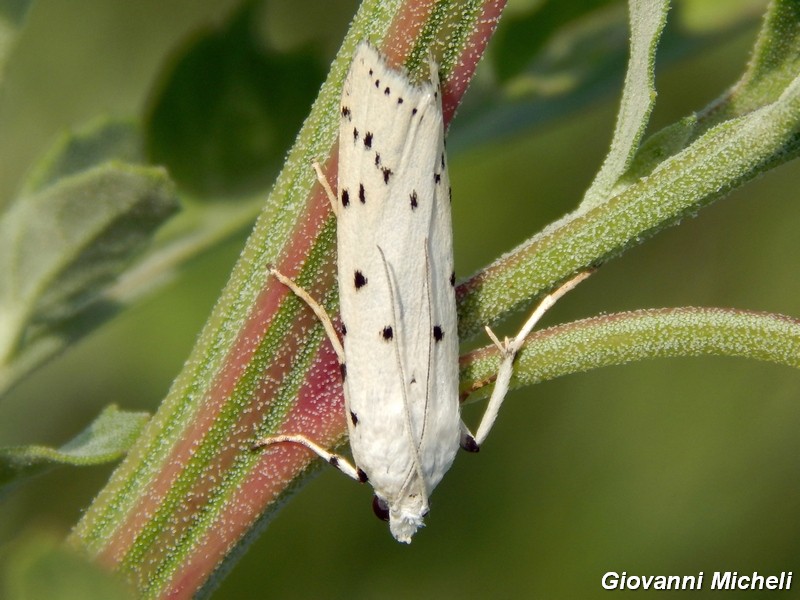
{"x": 380, "y": 508}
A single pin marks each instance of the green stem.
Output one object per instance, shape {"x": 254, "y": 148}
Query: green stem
{"x": 725, "y": 157}
{"x": 632, "y": 336}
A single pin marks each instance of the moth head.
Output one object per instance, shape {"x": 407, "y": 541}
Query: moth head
{"x": 405, "y": 516}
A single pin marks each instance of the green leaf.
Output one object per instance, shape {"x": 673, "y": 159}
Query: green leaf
{"x": 59, "y": 246}
{"x": 12, "y": 17}
{"x": 98, "y": 142}
{"x": 647, "y": 20}
{"x": 774, "y": 65}
{"x": 40, "y": 567}
{"x": 772, "y": 69}
{"x": 105, "y": 440}
{"x": 229, "y": 109}
{"x": 198, "y": 228}
{"x": 526, "y": 33}
{"x": 580, "y": 62}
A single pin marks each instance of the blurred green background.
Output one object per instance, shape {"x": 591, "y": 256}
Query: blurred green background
{"x": 666, "y": 467}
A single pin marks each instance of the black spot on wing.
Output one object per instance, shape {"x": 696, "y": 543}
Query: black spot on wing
{"x": 359, "y": 280}
{"x": 413, "y": 199}
{"x": 387, "y": 333}
{"x": 362, "y": 195}
{"x": 368, "y": 140}
{"x": 400, "y": 100}
{"x": 453, "y": 279}
{"x": 345, "y": 198}
{"x": 438, "y": 333}
{"x": 344, "y": 329}
{"x": 343, "y": 371}
{"x": 346, "y": 112}
{"x": 413, "y": 111}
{"x": 387, "y": 92}
{"x": 353, "y": 418}
{"x": 387, "y": 172}
{"x": 355, "y": 135}
{"x": 437, "y": 177}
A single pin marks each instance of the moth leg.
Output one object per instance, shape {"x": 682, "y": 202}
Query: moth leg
{"x": 508, "y": 352}
{"x": 334, "y": 459}
{"x": 323, "y": 181}
{"x": 331, "y": 458}
{"x": 318, "y": 309}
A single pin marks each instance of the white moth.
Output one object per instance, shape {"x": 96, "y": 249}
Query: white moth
{"x": 399, "y": 358}
{"x": 397, "y": 287}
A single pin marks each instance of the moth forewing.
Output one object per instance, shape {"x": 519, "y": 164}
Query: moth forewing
{"x": 397, "y": 298}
